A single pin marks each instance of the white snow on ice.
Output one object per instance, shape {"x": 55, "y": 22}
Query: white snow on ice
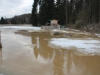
{"x": 20, "y": 27}
{"x": 87, "y": 46}
{"x": 57, "y": 30}
{"x": 97, "y": 35}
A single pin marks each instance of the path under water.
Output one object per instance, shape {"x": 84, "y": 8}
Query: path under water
{"x": 28, "y": 53}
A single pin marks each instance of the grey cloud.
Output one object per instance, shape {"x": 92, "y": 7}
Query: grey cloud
{"x": 9, "y": 8}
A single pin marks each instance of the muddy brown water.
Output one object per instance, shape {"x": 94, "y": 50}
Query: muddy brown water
{"x": 21, "y": 54}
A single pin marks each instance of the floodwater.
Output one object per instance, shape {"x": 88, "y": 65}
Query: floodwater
{"x": 28, "y": 53}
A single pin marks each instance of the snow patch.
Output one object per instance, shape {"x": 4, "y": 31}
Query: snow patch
{"x": 57, "y": 30}
{"x": 20, "y": 27}
{"x": 87, "y": 46}
{"x": 97, "y": 35}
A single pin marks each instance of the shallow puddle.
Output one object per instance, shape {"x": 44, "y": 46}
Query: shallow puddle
{"x": 28, "y": 53}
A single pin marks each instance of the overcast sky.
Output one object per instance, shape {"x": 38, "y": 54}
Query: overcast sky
{"x": 10, "y": 8}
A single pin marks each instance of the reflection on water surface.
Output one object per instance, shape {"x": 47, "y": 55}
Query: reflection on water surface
{"x": 25, "y": 53}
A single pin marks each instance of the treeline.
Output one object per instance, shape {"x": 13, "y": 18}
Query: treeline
{"x": 21, "y": 19}
{"x": 66, "y": 11}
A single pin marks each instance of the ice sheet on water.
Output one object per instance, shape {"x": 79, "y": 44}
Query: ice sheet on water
{"x": 88, "y": 46}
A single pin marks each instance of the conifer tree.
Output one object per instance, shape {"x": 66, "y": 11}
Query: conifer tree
{"x": 34, "y": 16}
{"x": 2, "y": 20}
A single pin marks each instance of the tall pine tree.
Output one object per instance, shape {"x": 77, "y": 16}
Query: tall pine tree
{"x": 66, "y": 11}
{"x": 46, "y": 12}
{"x": 34, "y": 16}
{"x": 2, "y": 20}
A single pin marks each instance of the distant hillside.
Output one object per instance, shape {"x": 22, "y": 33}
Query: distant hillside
{"x": 20, "y": 19}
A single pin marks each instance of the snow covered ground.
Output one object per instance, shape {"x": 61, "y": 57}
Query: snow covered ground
{"x": 85, "y": 46}
{"x": 21, "y": 27}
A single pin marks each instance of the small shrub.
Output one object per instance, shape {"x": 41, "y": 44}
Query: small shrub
{"x": 79, "y": 24}
{"x": 70, "y": 25}
{"x": 98, "y": 26}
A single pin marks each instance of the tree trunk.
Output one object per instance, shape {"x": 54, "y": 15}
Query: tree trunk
{"x": 99, "y": 11}
{"x": 66, "y": 12}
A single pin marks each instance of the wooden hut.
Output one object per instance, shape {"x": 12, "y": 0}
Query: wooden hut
{"x": 53, "y": 25}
